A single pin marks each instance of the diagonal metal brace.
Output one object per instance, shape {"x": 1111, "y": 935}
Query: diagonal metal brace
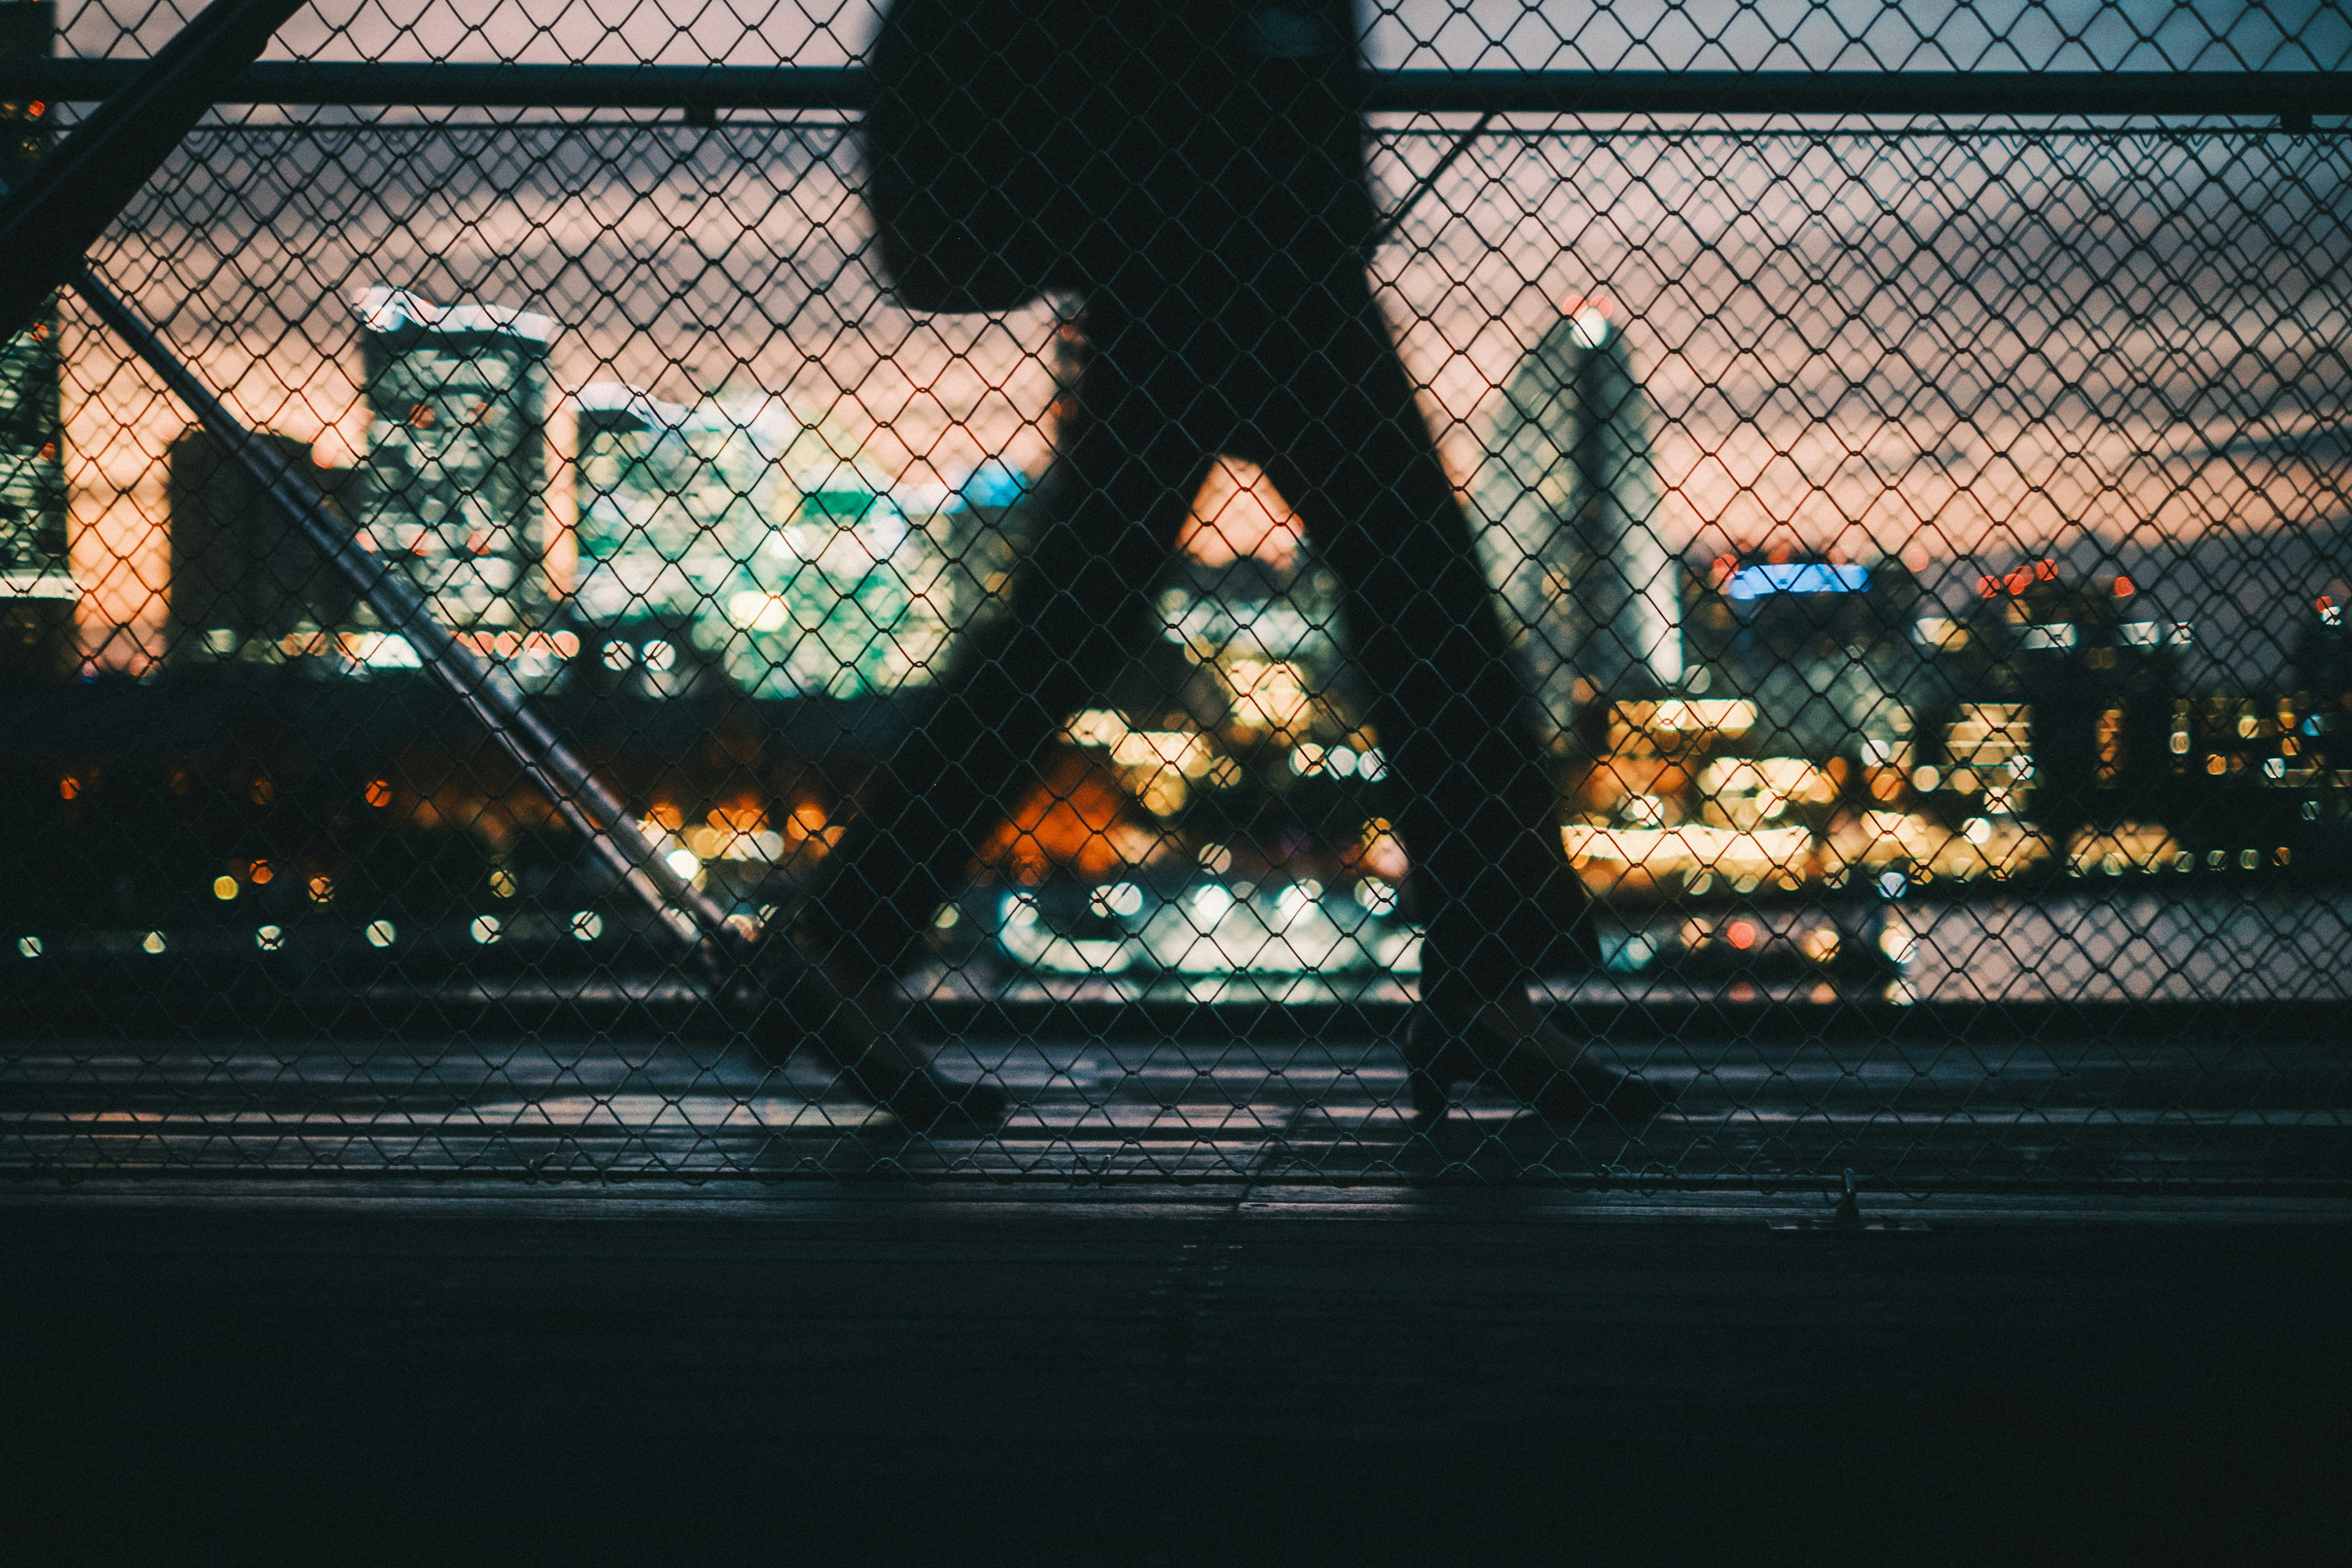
{"x": 50, "y": 220}
{"x": 1394, "y": 219}
{"x": 490, "y": 694}
{"x": 47, "y": 223}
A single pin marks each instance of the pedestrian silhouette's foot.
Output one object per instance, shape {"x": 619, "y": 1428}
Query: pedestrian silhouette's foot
{"x": 1432, "y": 1100}
{"x": 853, "y": 1014}
{"x": 850, "y": 1013}
{"x": 1550, "y": 1072}
{"x": 923, "y": 1102}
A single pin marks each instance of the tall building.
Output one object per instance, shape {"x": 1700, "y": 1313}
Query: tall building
{"x": 1568, "y": 499}
{"x": 244, "y": 577}
{"x": 2095, "y": 685}
{"x": 764, "y": 537}
{"x": 800, "y": 569}
{"x": 1825, "y": 648}
{"x": 855, "y": 593}
{"x": 672, "y": 501}
{"x": 37, "y": 596}
{"x": 456, "y": 465}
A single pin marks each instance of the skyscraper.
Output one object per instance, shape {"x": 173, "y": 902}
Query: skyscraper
{"x": 1567, "y": 502}
{"x": 241, "y": 570}
{"x": 853, "y": 594}
{"x": 37, "y": 596}
{"x": 801, "y": 569}
{"x": 457, "y": 463}
{"x": 672, "y": 502}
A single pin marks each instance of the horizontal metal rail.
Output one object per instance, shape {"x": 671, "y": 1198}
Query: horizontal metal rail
{"x": 2294, "y": 97}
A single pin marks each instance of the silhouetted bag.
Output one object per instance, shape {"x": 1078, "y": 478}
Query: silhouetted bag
{"x": 1013, "y": 146}
{"x": 975, "y": 149}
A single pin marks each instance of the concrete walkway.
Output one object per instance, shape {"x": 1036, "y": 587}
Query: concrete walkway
{"x": 340, "y": 1372}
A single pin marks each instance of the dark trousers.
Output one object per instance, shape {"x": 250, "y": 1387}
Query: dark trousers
{"x": 1290, "y": 367}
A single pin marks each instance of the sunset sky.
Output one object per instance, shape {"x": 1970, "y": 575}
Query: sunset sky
{"x": 1932, "y": 343}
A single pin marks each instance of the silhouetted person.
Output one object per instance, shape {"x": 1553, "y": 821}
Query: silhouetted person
{"x": 1207, "y": 190}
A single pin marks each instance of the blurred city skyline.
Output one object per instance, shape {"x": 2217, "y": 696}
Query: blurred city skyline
{"x": 1936, "y": 345}
{"x": 1856, "y": 344}
{"x": 1908, "y": 503}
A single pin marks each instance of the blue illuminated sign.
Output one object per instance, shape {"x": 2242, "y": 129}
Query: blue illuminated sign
{"x": 1796, "y": 577}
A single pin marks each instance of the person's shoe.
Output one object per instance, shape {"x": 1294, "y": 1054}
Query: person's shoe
{"x": 1548, "y": 1072}
{"x": 1573, "y": 1093}
{"x": 852, "y": 1012}
{"x": 858, "y": 1021}
{"x": 934, "y": 1107}
{"x": 1435, "y": 1059}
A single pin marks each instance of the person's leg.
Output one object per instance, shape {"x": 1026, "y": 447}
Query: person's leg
{"x": 1346, "y": 443}
{"x": 1348, "y": 448}
{"x": 1075, "y": 613}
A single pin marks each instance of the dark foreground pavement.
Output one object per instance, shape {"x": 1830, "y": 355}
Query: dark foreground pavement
{"x": 2019, "y": 1099}
{"x": 867, "y": 1375}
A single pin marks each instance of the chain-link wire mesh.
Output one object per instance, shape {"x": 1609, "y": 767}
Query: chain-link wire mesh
{"x": 1655, "y": 649}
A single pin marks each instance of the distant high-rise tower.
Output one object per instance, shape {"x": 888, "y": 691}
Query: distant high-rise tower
{"x": 801, "y": 569}
{"x": 456, "y": 465}
{"x": 1568, "y": 499}
{"x": 242, "y": 573}
{"x": 852, "y": 593}
{"x": 37, "y": 587}
{"x": 673, "y": 501}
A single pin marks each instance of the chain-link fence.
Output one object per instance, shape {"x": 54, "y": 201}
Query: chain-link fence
{"x": 1701, "y": 624}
